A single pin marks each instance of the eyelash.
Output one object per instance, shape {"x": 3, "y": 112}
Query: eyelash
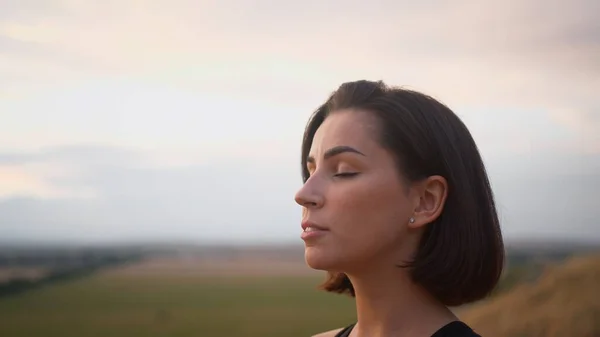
{"x": 345, "y": 174}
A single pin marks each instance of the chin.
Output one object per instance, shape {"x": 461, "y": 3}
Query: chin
{"x": 320, "y": 259}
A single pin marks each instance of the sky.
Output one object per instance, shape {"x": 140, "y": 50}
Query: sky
{"x": 138, "y": 120}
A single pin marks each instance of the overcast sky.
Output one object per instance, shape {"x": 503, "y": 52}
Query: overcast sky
{"x": 150, "y": 120}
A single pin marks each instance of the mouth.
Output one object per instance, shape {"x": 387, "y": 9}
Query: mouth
{"x": 310, "y": 227}
{"x": 311, "y": 231}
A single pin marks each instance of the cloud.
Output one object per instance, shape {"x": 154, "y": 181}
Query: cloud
{"x": 86, "y": 170}
{"x": 78, "y": 154}
{"x": 41, "y": 173}
{"x": 14, "y": 180}
{"x": 530, "y": 55}
{"x": 27, "y": 10}
{"x": 508, "y": 34}
{"x": 236, "y": 199}
{"x": 196, "y": 106}
{"x": 541, "y": 195}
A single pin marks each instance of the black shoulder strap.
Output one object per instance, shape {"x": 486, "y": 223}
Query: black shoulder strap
{"x": 345, "y": 332}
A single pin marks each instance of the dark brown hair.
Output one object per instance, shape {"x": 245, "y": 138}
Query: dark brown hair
{"x": 461, "y": 254}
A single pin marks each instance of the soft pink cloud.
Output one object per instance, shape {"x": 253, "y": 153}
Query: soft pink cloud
{"x": 529, "y": 55}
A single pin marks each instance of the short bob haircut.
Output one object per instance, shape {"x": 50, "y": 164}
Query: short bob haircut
{"x": 461, "y": 254}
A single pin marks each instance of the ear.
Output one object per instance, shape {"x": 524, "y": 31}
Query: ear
{"x": 432, "y": 194}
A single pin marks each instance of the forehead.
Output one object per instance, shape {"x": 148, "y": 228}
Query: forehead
{"x": 345, "y": 128}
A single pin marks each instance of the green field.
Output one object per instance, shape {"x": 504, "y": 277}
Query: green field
{"x": 139, "y": 305}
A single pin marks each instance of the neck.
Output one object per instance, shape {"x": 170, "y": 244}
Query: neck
{"x": 388, "y": 303}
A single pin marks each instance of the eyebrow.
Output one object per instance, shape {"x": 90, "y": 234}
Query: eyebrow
{"x": 334, "y": 151}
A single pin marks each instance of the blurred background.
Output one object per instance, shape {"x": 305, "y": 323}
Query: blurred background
{"x": 150, "y": 152}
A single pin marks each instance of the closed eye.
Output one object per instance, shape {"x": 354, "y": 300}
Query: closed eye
{"x": 345, "y": 174}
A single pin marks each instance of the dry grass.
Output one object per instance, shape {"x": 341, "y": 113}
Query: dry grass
{"x": 22, "y": 273}
{"x": 194, "y": 266}
{"x": 565, "y": 301}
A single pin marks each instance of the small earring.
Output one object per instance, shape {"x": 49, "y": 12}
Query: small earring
{"x": 411, "y": 220}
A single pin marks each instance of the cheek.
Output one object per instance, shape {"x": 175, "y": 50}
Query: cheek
{"x": 373, "y": 210}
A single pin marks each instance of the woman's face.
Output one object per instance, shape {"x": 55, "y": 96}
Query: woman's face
{"x": 355, "y": 202}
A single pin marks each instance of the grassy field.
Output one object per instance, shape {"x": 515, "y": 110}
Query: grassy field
{"x": 153, "y": 304}
{"x": 266, "y": 293}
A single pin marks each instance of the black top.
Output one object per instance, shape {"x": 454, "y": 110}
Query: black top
{"x": 452, "y": 329}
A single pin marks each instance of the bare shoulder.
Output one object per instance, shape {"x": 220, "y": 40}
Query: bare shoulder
{"x": 330, "y": 333}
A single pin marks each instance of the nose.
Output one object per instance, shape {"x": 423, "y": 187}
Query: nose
{"x": 309, "y": 196}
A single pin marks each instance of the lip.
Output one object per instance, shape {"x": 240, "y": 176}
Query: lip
{"x": 314, "y": 232}
{"x": 306, "y": 224}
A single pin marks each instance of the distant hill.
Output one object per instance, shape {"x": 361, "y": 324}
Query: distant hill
{"x": 563, "y": 301}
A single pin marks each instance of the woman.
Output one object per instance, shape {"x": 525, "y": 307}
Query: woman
{"x": 397, "y": 207}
